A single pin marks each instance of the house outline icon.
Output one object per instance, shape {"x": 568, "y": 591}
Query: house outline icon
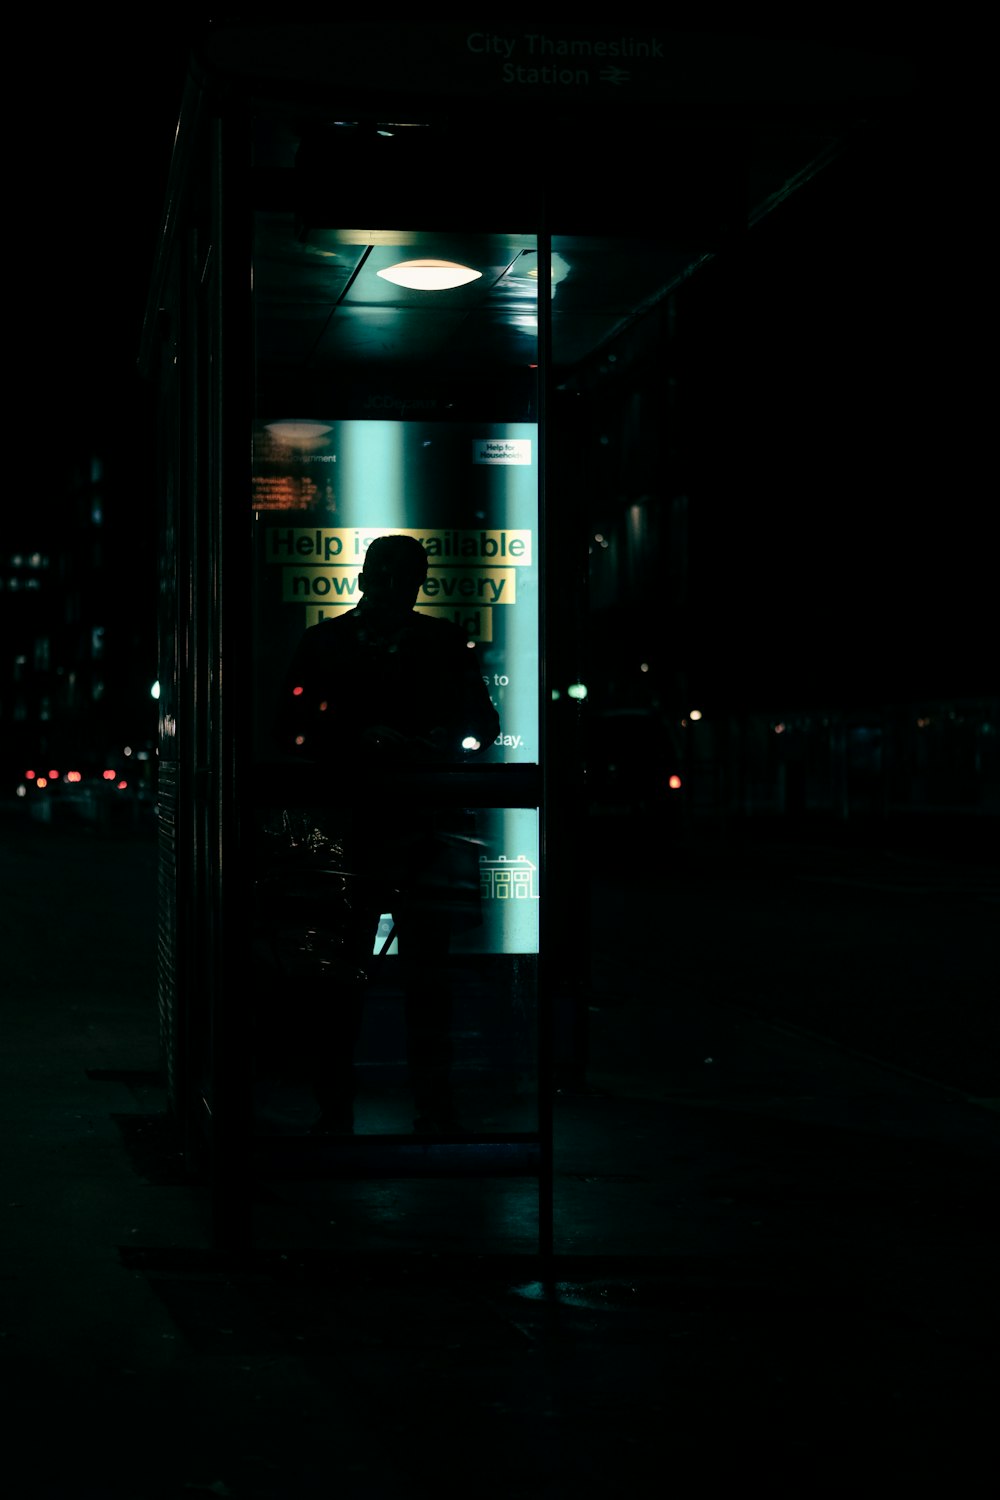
{"x": 504, "y": 879}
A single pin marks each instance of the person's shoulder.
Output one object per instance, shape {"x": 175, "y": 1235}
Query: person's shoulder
{"x": 322, "y": 628}
{"x": 424, "y": 620}
{"x": 331, "y": 634}
{"x": 441, "y": 629}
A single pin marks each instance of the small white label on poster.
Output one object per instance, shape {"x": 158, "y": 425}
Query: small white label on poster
{"x": 501, "y": 451}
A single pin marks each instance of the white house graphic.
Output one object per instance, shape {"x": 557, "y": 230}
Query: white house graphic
{"x": 506, "y": 879}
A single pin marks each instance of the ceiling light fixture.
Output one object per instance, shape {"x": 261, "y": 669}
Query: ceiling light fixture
{"x": 304, "y": 434}
{"x": 429, "y": 275}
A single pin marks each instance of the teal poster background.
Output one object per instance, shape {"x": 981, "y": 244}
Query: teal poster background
{"x": 469, "y": 490}
{"x": 508, "y": 886}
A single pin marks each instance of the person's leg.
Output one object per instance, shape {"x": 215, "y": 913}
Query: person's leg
{"x": 340, "y": 1028}
{"x": 423, "y": 947}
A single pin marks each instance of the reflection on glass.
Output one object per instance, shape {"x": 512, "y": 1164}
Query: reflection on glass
{"x": 330, "y": 1023}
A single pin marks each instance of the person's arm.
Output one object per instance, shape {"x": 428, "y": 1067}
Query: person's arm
{"x": 308, "y": 724}
{"x": 471, "y": 719}
{"x": 479, "y": 711}
{"x": 290, "y": 714}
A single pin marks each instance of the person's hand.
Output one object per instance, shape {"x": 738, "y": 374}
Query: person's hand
{"x": 384, "y": 743}
{"x": 433, "y": 746}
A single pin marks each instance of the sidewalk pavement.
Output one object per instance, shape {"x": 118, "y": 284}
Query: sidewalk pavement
{"x": 775, "y": 1243}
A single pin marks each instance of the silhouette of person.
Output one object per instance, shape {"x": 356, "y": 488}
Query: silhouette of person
{"x": 379, "y": 687}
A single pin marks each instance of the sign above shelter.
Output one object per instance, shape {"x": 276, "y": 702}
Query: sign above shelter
{"x": 527, "y": 61}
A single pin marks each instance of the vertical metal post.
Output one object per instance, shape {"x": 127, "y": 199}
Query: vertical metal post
{"x": 230, "y": 693}
{"x": 546, "y": 1016}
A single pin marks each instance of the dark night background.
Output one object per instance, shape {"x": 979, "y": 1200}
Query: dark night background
{"x": 93, "y": 178}
{"x": 776, "y": 1196}
{"x": 830, "y": 411}
{"x": 90, "y": 177}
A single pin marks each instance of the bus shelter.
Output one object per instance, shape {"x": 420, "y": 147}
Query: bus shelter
{"x": 399, "y": 274}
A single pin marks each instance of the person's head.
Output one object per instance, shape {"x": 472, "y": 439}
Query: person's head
{"x": 394, "y": 568}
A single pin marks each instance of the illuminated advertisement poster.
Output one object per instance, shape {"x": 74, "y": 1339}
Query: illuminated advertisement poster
{"x": 322, "y": 491}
